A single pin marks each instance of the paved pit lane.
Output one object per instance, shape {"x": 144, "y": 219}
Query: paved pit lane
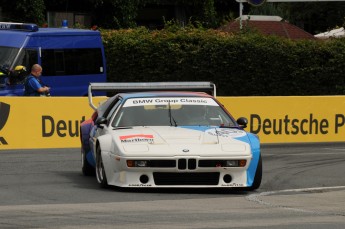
{"x": 303, "y": 187}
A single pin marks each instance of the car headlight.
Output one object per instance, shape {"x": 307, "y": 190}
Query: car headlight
{"x": 137, "y": 163}
{"x": 235, "y": 163}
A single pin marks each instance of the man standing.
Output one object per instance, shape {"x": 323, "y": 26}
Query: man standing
{"x": 33, "y": 85}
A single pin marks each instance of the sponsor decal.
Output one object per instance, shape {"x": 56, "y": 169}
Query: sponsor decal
{"x": 4, "y": 114}
{"x": 139, "y": 185}
{"x": 288, "y": 125}
{"x": 226, "y": 133}
{"x": 61, "y": 128}
{"x": 233, "y": 185}
{"x": 5, "y": 26}
{"x": 137, "y": 138}
{"x": 172, "y": 101}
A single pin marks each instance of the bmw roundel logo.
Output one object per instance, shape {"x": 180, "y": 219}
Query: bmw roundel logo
{"x": 185, "y": 150}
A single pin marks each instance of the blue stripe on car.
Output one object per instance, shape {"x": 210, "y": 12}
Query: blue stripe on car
{"x": 255, "y": 144}
{"x": 90, "y": 159}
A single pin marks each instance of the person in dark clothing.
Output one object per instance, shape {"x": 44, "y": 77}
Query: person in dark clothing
{"x": 33, "y": 85}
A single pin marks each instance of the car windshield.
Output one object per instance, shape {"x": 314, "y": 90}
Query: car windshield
{"x": 193, "y": 111}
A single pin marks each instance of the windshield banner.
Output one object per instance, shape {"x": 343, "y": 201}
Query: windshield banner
{"x": 172, "y": 101}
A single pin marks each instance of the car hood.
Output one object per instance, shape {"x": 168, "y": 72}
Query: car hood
{"x": 191, "y": 140}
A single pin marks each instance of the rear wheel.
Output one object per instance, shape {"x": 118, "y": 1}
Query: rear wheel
{"x": 258, "y": 176}
{"x": 86, "y": 168}
{"x": 100, "y": 173}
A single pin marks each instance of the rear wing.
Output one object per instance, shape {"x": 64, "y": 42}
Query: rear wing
{"x": 154, "y": 86}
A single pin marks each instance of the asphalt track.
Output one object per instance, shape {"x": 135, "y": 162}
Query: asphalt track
{"x": 303, "y": 187}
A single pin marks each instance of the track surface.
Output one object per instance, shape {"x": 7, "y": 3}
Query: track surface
{"x": 303, "y": 187}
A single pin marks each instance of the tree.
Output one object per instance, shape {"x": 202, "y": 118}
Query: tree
{"x": 32, "y": 11}
{"x": 314, "y": 17}
{"x": 317, "y": 17}
{"x": 117, "y": 13}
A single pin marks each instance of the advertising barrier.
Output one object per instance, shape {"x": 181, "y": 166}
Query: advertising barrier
{"x": 292, "y": 119}
{"x": 54, "y": 122}
{"x": 42, "y": 122}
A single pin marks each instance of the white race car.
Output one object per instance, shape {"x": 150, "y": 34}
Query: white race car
{"x": 166, "y": 137}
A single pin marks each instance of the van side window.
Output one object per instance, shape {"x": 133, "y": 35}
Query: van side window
{"x": 57, "y": 62}
{"x": 29, "y": 58}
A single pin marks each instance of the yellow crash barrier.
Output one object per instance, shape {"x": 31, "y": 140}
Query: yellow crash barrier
{"x": 291, "y": 119}
{"x": 54, "y": 122}
{"x": 42, "y": 122}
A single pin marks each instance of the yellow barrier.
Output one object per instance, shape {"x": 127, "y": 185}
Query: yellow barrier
{"x": 54, "y": 122}
{"x": 292, "y": 119}
{"x": 43, "y": 122}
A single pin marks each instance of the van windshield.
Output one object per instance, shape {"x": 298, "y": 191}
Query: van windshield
{"x": 7, "y": 55}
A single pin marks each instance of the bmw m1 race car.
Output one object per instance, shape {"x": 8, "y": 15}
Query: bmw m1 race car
{"x": 168, "y": 135}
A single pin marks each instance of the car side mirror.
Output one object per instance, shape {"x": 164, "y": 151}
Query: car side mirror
{"x": 242, "y": 121}
{"x": 101, "y": 121}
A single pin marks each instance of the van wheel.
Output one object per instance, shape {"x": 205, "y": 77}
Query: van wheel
{"x": 100, "y": 173}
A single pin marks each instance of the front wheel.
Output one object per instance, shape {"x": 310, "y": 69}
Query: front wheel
{"x": 100, "y": 173}
{"x": 258, "y": 176}
{"x": 86, "y": 168}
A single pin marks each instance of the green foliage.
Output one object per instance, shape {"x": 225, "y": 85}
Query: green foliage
{"x": 314, "y": 17}
{"x": 116, "y": 14}
{"x": 25, "y": 11}
{"x": 242, "y": 64}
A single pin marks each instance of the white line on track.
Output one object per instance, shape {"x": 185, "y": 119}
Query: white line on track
{"x": 336, "y": 149}
{"x": 303, "y": 154}
{"x": 256, "y": 197}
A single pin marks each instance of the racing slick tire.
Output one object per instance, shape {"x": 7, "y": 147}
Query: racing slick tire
{"x": 258, "y": 176}
{"x": 86, "y": 168}
{"x": 100, "y": 172}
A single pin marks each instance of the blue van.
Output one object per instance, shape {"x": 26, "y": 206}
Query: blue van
{"x": 70, "y": 58}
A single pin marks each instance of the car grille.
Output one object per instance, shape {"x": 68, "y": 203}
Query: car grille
{"x": 184, "y": 164}
{"x": 186, "y": 178}
{"x": 190, "y": 164}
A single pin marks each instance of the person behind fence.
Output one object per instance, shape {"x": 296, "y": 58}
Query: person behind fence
{"x": 33, "y": 86}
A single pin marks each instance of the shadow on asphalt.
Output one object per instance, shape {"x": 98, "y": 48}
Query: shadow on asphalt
{"x": 89, "y": 182}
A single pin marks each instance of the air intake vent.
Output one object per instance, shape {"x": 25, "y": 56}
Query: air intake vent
{"x": 182, "y": 164}
{"x": 191, "y": 164}
{"x": 186, "y": 178}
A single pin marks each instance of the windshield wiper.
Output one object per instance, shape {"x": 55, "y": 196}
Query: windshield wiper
{"x": 171, "y": 117}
